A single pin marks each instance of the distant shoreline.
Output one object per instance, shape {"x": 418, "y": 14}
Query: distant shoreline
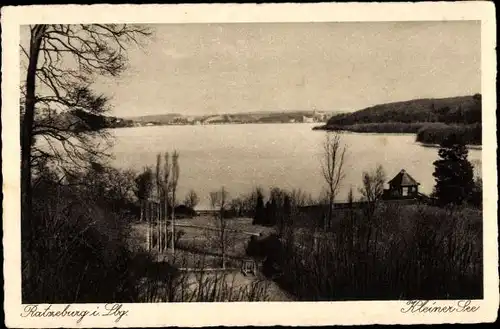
{"x": 423, "y": 144}
{"x": 214, "y": 124}
{"x": 469, "y": 146}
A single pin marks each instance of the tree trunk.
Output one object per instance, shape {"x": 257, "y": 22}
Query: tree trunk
{"x": 223, "y": 237}
{"x": 330, "y": 212}
{"x": 148, "y": 218}
{"x": 222, "y": 242}
{"x": 173, "y": 222}
{"x": 145, "y": 218}
{"x": 28, "y": 227}
{"x": 142, "y": 211}
{"x": 166, "y": 226}
{"x": 160, "y": 208}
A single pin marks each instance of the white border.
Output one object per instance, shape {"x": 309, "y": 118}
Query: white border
{"x": 239, "y": 314}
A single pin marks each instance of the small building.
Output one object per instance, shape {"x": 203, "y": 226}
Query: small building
{"x": 402, "y": 186}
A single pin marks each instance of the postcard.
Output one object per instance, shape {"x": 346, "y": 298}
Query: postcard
{"x": 249, "y": 164}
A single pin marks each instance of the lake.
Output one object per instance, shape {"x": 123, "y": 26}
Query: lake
{"x": 242, "y": 156}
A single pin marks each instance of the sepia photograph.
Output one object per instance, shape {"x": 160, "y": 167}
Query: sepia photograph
{"x": 266, "y": 161}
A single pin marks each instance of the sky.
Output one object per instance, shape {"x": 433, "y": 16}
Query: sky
{"x": 198, "y": 69}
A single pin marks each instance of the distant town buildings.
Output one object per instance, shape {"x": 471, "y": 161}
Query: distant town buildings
{"x": 236, "y": 118}
{"x": 307, "y": 119}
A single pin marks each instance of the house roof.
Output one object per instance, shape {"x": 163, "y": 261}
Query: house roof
{"x": 403, "y": 179}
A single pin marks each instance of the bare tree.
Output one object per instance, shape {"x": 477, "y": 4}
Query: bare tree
{"x": 58, "y": 105}
{"x": 300, "y": 198}
{"x": 159, "y": 192}
{"x": 237, "y": 206}
{"x": 219, "y": 201}
{"x": 249, "y": 201}
{"x": 191, "y": 199}
{"x": 332, "y": 169}
{"x": 175, "y": 171}
{"x": 373, "y": 187}
{"x": 166, "y": 190}
{"x": 350, "y": 202}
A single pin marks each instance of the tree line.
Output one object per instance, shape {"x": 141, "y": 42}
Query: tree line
{"x": 432, "y": 120}
{"x": 459, "y": 110}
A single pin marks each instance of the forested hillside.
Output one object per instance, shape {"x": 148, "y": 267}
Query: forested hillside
{"x": 430, "y": 119}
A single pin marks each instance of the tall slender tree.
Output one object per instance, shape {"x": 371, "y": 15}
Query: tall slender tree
{"x": 219, "y": 201}
{"x": 350, "y": 202}
{"x": 284, "y": 218}
{"x": 332, "y": 166}
{"x": 144, "y": 183}
{"x": 373, "y": 188}
{"x": 166, "y": 189}
{"x": 159, "y": 192}
{"x": 259, "y": 215}
{"x": 144, "y": 187}
{"x": 191, "y": 199}
{"x": 175, "y": 172}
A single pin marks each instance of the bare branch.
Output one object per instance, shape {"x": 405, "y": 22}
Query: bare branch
{"x": 332, "y": 166}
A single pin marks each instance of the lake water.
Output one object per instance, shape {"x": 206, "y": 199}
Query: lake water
{"x": 240, "y": 157}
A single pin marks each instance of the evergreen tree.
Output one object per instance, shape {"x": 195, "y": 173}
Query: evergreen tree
{"x": 267, "y": 214}
{"x": 285, "y": 218}
{"x": 272, "y": 212}
{"x": 258, "y": 218}
{"x": 287, "y": 206}
{"x": 453, "y": 173}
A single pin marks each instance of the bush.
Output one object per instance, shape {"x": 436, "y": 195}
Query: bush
{"x": 80, "y": 253}
{"x": 183, "y": 211}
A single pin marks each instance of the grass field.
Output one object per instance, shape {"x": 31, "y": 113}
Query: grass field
{"x": 200, "y": 236}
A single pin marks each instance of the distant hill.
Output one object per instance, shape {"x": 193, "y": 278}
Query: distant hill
{"x": 247, "y": 117}
{"x": 158, "y": 118}
{"x": 460, "y": 110}
{"x": 268, "y": 117}
{"x": 431, "y": 119}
